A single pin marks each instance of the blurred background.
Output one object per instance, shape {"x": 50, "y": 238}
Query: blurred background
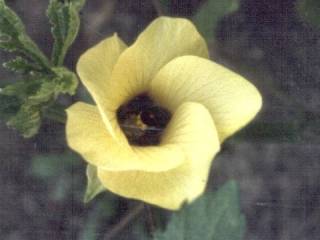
{"x": 276, "y": 160}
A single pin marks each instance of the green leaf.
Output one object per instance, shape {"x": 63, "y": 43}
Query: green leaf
{"x": 21, "y": 65}
{"x": 25, "y": 103}
{"x": 66, "y": 82}
{"x": 34, "y": 91}
{"x": 44, "y": 95}
{"x": 33, "y": 99}
{"x": 33, "y": 95}
{"x": 78, "y": 4}
{"x": 65, "y": 21}
{"x": 215, "y": 216}
{"x": 22, "y": 89}
{"x": 94, "y": 186}
{"x": 309, "y": 10}
{"x": 13, "y": 38}
{"x": 27, "y": 120}
{"x": 210, "y": 13}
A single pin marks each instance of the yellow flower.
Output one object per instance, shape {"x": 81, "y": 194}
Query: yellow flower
{"x": 162, "y": 111}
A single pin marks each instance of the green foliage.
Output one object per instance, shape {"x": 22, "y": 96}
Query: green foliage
{"x": 66, "y": 82}
{"x": 21, "y": 65}
{"x": 65, "y": 21}
{"x": 35, "y": 95}
{"x": 26, "y": 102}
{"x": 215, "y": 216}
{"x": 309, "y": 10}
{"x": 210, "y": 13}
{"x": 94, "y": 186}
{"x": 27, "y": 120}
{"x": 78, "y": 4}
{"x": 13, "y": 38}
{"x": 25, "y": 116}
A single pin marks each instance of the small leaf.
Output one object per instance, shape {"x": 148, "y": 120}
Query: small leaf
{"x": 65, "y": 21}
{"x": 15, "y": 39}
{"x": 309, "y": 10}
{"x": 33, "y": 95}
{"x": 78, "y": 4}
{"x": 27, "y": 120}
{"x": 22, "y": 89}
{"x": 94, "y": 186}
{"x": 66, "y": 81}
{"x": 210, "y": 13}
{"x": 215, "y": 216}
{"x": 44, "y": 94}
{"x": 21, "y": 65}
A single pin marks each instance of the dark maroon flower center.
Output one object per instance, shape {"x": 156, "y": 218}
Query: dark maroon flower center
{"x": 142, "y": 120}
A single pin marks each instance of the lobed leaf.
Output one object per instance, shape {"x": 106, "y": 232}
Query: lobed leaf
{"x": 66, "y": 82}
{"x": 33, "y": 97}
{"x": 64, "y": 18}
{"x": 78, "y": 4}
{"x": 13, "y": 38}
{"x": 27, "y": 120}
{"x": 215, "y": 216}
{"x": 21, "y": 65}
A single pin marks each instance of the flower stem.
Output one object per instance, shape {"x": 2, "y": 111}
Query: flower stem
{"x": 150, "y": 221}
{"x": 124, "y": 222}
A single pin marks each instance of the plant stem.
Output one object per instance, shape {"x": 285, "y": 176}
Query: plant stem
{"x": 124, "y": 222}
{"x": 150, "y": 220}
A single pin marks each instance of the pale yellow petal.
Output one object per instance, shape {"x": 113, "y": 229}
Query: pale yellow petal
{"x": 87, "y": 135}
{"x": 163, "y": 40}
{"x": 231, "y": 99}
{"x": 95, "y": 67}
{"x": 193, "y": 130}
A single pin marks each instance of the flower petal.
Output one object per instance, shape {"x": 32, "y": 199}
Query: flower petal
{"x": 163, "y": 40}
{"x": 193, "y": 130}
{"x": 87, "y": 134}
{"x": 231, "y": 100}
{"x": 95, "y": 67}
